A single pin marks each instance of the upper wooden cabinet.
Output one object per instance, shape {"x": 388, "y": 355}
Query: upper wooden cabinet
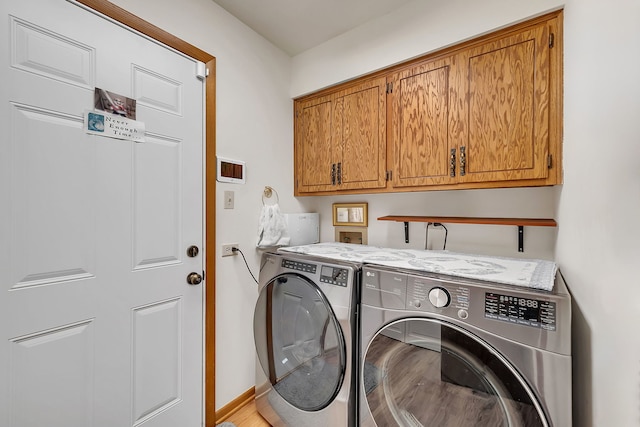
{"x": 486, "y": 113}
{"x": 506, "y": 95}
{"x": 424, "y": 124}
{"x": 340, "y": 140}
{"x": 314, "y": 151}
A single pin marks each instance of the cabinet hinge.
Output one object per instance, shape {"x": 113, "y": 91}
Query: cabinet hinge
{"x": 549, "y": 161}
{"x": 390, "y": 87}
{"x": 388, "y": 175}
{"x": 551, "y": 40}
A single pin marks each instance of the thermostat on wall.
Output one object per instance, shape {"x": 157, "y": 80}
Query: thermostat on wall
{"x": 231, "y": 171}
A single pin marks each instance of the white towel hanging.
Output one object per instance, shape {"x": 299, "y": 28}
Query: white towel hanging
{"x": 272, "y": 228}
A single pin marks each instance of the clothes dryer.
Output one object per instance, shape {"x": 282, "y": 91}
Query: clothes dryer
{"x": 447, "y": 351}
{"x": 305, "y": 329}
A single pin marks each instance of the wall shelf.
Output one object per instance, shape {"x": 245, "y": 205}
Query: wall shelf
{"x": 518, "y": 222}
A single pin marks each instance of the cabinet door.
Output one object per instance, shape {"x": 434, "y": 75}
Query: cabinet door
{"x": 424, "y": 124}
{"x": 314, "y": 153}
{"x": 508, "y": 108}
{"x": 359, "y": 135}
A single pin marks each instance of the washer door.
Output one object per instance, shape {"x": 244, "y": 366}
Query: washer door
{"x": 299, "y": 342}
{"x": 425, "y": 372}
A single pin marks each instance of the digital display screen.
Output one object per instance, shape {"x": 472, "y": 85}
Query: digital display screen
{"x": 334, "y": 275}
{"x": 326, "y": 271}
{"x": 521, "y": 311}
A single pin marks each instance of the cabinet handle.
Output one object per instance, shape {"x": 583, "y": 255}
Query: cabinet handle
{"x": 333, "y": 174}
{"x": 463, "y": 161}
{"x": 452, "y": 163}
{"x": 339, "y": 173}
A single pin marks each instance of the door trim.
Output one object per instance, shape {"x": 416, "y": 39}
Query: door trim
{"x": 132, "y": 21}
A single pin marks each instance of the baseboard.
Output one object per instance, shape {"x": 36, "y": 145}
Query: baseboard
{"x": 234, "y": 406}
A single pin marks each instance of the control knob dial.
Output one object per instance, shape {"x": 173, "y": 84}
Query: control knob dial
{"x": 439, "y": 297}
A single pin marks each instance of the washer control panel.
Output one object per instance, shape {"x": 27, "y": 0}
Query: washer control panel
{"x": 520, "y": 311}
{"x": 534, "y": 318}
{"x": 300, "y": 266}
{"x": 334, "y": 275}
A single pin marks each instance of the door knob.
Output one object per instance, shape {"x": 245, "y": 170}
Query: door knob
{"x": 194, "y": 279}
{"x": 192, "y": 251}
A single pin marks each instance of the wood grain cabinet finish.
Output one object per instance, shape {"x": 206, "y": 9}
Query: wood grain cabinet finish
{"x": 314, "y": 148}
{"x": 425, "y": 123}
{"x": 507, "y": 88}
{"x": 340, "y": 139}
{"x": 486, "y": 113}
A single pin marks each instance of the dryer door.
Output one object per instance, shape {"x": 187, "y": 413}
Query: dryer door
{"x": 299, "y": 342}
{"x": 436, "y": 373}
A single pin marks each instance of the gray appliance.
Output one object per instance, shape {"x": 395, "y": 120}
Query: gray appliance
{"x": 443, "y": 351}
{"x": 305, "y": 330}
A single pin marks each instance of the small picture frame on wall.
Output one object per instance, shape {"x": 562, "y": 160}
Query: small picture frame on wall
{"x": 351, "y": 214}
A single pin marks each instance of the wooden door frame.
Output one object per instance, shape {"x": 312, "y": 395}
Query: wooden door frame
{"x": 132, "y": 21}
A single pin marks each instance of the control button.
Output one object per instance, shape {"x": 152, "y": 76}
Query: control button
{"x": 463, "y": 314}
{"x": 439, "y": 297}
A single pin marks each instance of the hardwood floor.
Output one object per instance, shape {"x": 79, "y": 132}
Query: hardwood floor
{"x": 248, "y": 416}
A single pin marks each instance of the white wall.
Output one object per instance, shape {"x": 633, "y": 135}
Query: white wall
{"x": 254, "y": 124}
{"x": 598, "y": 206}
{"x": 419, "y": 27}
{"x": 539, "y": 242}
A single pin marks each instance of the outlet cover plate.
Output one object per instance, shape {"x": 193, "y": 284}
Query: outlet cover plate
{"x": 227, "y": 249}
{"x": 229, "y": 197}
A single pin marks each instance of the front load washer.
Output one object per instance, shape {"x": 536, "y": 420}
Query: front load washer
{"x": 444, "y": 351}
{"x": 305, "y": 329}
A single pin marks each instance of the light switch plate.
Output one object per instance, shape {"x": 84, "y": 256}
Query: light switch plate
{"x": 228, "y": 199}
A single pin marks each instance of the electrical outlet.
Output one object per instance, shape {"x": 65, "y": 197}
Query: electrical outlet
{"x": 227, "y": 250}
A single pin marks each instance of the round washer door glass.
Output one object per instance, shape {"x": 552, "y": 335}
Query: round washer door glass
{"x": 299, "y": 342}
{"x": 424, "y": 372}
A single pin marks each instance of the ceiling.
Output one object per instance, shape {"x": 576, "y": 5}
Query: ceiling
{"x": 297, "y": 25}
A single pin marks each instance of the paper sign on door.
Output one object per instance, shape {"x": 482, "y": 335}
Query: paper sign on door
{"x": 114, "y": 117}
{"x": 113, "y": 126}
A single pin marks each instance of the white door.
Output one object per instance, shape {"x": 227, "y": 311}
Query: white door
{"x": 98, "y": 326}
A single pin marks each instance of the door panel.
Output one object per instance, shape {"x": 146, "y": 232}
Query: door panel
{"x": 508, "y": 103}
{"x": 38, "y": 50}
{"x": 157, "y": 172}
{"x": 157, "y": 91}
{"x": 423, "y": 124}
{"x": 97, "y": 322}
{"x": 314, "y": 150}
{"x": 359, "y": 129}
{"x": 156, "y": 362}
{"x": 64, "y": 356}
{"x": 50, "y": 245}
